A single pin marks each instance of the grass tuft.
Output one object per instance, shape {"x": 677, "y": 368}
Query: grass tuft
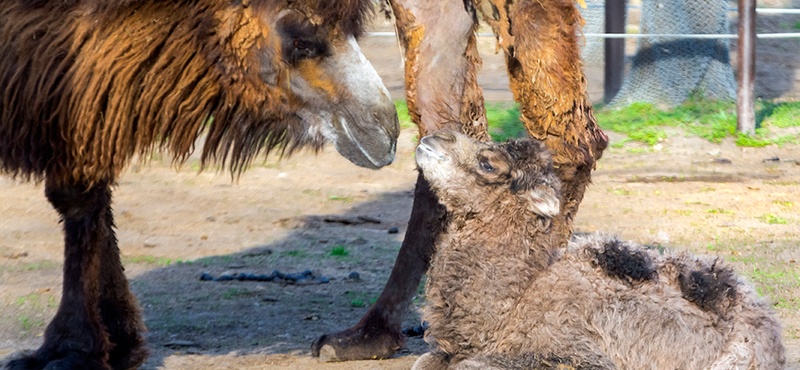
{"x": 708, "y": 119}
{"x": 773, "y": 219}
{"x": 339, "y": 250}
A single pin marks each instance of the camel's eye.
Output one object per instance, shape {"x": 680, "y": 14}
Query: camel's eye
{"x": 301, "y": 39}
{"x": 485, "y": 166}
{"x": 301, "y": 44}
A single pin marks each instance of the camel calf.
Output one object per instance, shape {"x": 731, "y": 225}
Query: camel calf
{"x": 505, "y": 292}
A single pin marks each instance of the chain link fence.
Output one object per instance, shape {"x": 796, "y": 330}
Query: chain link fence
{"x": 665, "y": 71}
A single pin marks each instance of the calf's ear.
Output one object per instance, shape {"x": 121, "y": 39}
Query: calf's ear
{"x": 544, "y": 200}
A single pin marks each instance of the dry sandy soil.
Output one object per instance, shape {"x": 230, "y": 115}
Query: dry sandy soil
{"x": 174, "y": 225}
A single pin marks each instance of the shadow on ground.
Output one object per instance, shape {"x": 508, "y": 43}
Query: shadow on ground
{"x": 187, "y": 316}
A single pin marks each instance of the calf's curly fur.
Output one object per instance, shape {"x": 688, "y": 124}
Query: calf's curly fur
{"x": 505, "y": 292}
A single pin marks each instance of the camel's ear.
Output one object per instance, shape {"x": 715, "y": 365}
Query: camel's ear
{"x": 544, "y": 201}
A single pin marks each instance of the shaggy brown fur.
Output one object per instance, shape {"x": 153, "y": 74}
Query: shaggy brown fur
{"x": 85, "y": 85}
{"x": 506, "y": 292}
{"x": 98, "y": 100}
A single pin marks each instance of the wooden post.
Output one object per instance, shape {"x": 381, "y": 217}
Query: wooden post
{"x": 746, "y": 57}
{"x": 615, "y": 49}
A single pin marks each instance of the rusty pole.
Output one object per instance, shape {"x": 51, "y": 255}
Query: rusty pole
{"x": 745, "y": 78}
{"x": 615, "y": 49}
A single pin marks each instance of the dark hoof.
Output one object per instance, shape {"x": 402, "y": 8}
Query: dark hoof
{"x": 70, "y": 361}
{"x": 355, "y": 344}
{"x": 128, "y": 358}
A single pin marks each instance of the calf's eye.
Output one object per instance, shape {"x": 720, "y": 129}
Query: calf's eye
{"x": 486, "y": 167}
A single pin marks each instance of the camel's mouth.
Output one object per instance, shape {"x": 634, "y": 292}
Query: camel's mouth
{"x": 426, "y": 148}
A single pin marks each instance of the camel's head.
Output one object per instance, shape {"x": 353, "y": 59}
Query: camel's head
{"x": 470, "y": 175}
{"x": 337, "y": 94}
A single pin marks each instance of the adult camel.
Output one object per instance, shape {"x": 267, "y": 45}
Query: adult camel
{"x": 85, "y": 85}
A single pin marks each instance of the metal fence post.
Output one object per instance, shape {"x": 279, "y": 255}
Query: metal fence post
{"x": 615, "y": 49}
{"x": 746, "y": 58}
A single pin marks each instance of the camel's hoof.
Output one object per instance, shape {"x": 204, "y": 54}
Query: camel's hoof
{"x": 354, "y": 344}
{"x": 69, "y": 361}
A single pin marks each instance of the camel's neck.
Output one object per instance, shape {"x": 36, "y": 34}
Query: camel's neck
{"x": 483, "y": 264}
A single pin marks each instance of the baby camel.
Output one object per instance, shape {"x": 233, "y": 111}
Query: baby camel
{"x": 506, "y": 293}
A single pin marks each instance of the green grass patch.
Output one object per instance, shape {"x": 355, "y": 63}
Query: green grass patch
{"x": 339, "y": 250}
{"x": 503, "y": 121}
{"x": 294, "y": 253}
{"x": 709, "y": 119}
{"x": 502, "y": 118}
{"x": 783, "y": 203}
{"x": 719, "y": 211}
{"x": 773, "y": 219}
{"x": 149, "y": 260}
{"x": 340, "y": 198}
{"x": 358, "y": 299}
{"x": 402, "y": 114}
{"x": 29, "y": 323}
{"x": 623, "y": 191}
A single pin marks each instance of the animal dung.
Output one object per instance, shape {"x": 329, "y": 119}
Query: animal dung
{"x": 303, "y": 278}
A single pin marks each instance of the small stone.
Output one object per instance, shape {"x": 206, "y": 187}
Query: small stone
{"x": 149, "y": 244}
{"x": 359, "y": 241}
{"x": 211, "y": 219}
{"x": 393, "y": 230}
{"x": 722, "y": 160}
{"x": 258, "y": 251}
{"x": 353, "y": 276}
{"x": 178, "y": 343}
{"x": 204, "y": 237}
{"x": 312, "y": 317}
{"x": 771, "y": 159}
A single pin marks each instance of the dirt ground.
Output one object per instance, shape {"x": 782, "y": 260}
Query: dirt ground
{"x": 176, "y": 224}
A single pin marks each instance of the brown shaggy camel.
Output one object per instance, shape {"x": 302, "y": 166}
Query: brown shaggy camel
{"x": 506, "y": 290}
{"x": 85, "y": 85}
{"x": 540, "y": 41}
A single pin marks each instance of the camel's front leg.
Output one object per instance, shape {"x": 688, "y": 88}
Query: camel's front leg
{"x": 118, "y": 308}
{"x": 378, "y": 334}
{"x": 77, "y": 338}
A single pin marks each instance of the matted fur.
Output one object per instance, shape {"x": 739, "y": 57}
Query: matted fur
{"x": 86, "y": 85}
{"x": 504, "y": 285}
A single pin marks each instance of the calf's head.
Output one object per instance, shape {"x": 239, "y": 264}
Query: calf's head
{"x": 472, "y": 176}
{"x": 337, "y": 94}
